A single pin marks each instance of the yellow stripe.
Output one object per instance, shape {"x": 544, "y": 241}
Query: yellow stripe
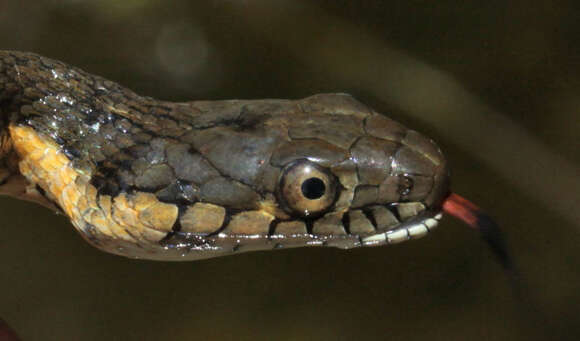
{"x": 137, "y": 219}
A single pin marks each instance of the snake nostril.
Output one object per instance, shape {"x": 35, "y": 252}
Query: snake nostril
{"x": 405, "y": 184}
{"x": 313, "y": 188}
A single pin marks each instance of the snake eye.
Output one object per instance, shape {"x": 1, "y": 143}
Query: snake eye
{"x": 306, "y": 188}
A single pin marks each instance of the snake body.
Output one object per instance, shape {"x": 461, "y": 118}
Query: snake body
{"x": 145, "y": 178}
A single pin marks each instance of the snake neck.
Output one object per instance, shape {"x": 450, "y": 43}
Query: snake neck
{"x": 8, "y": 159}
{"x": 11, "y": 182}
{"x": 10, "y": 92}
{"x": 28, "y": 85}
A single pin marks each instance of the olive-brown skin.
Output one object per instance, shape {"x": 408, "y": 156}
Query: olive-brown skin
{"x": 206, "y": 178}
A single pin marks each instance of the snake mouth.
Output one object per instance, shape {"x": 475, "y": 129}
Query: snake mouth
{"x": 373, "y": 225}
{"x": 412, "y": 228}
{"x": 412, "y": 224}
{"x": 366, "y": 226}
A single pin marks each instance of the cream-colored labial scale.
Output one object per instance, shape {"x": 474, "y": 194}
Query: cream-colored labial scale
{"x": 127, "y": 225}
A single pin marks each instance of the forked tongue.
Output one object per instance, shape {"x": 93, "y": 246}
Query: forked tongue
{"x": 474, "y": 217}
{"x": 470, "y": 214}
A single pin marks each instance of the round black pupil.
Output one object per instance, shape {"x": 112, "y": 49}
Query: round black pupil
{"x": 313, "y": 188}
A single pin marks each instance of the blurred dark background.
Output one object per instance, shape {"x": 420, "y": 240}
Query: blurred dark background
{"x": 515, "y": 63}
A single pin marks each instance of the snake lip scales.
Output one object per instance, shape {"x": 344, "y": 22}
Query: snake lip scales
{"x": 153, "y": 179}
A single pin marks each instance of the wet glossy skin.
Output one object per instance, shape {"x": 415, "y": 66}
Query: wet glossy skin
{"x": 179, "y": 181}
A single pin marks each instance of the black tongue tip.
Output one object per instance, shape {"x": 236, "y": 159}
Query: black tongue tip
{"x": 472, "y": 215}
{"x": 491, "y": 233}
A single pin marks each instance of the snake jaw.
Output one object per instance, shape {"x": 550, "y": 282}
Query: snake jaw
{"x": 414, "y": 229}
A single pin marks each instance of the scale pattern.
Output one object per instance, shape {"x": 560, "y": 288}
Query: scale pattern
{"x": 153, "y": 179}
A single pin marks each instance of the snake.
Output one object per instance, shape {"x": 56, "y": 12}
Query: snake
{"x": 153, "y": 179}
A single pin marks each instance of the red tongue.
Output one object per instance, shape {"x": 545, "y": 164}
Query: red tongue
{"x": 470, "y": 214}
{"x": 462, "y": 209}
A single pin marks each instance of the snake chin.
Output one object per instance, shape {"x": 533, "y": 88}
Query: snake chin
{"x": 412, "y": 230}
{"x": 415, "y": 222}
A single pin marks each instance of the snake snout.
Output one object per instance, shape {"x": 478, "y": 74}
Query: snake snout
{"x": 398, "y": 167}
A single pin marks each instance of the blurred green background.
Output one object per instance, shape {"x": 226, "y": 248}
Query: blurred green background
{"x": 514, "y": 65}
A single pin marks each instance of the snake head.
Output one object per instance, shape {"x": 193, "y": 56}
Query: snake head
{"x": 175, "y": 181}
{"x": 353, "y": 176}
{"x": 324, "y": 170}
